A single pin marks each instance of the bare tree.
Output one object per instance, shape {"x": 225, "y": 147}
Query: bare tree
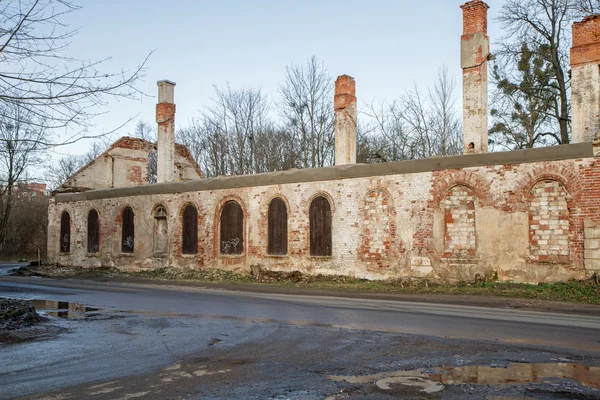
{"x": 27, "y": 224}
{"x": 58, "y": 171}
{"x": 307, "y": 111}
{"x": 58, "y": 91}
{"x": 587, "y": 7}
{"x": 20, "y": 145}
{"x": 386, "y": 134}
{"x": 416, "y": 125}
{"x": 275, "y": 150}
{"x": 147, "y": 132}
{"x": 235, "y": 119}
{"x": 545, "y": 25}
{"x": 446, "y": 123}
{"x": 208, "y": 144}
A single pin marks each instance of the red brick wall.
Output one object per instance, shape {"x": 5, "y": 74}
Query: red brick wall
{"x": 586, "y": 41}
{"x": 549, "y": 230}
{"x": 381, "y": 225}
{"x": 459, "y": 223}
{"x": 345, "y": 92}
{"x": 379, "y": 228}
{"x": 474, "y": 17}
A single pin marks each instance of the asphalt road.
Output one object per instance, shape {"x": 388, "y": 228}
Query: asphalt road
{"x": 145, "y": 331}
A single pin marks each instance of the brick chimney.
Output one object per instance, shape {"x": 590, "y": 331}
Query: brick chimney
{"x": 474, "y": 52}
{"x": 585, "y": 80}
{"x": 165, "y": 117}
{"x": 344, "y": 104}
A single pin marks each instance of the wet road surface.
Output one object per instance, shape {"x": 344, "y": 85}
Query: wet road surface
{"x": 168, "y": 341}
{"x": 7, "y": 267}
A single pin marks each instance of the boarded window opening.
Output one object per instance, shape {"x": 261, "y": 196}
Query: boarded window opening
{"x": 127, "y": 231}
{"x": 320, "y": 227}
{"x": 65, "y": 232}
{"x": 232, "y": 229}
{"x": 93, "y": 232}
{"x": 278, "y": 228}
{"x": 190, "y": 230}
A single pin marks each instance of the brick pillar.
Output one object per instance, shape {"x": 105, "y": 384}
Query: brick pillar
{"x": 474, "y": 52}
{"x": 585, "y": 80}
{"x": 345, "y": 120}
{"x": 165, "y": 117}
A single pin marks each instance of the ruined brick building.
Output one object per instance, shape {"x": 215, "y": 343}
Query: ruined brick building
{"x": 529, "y": 215}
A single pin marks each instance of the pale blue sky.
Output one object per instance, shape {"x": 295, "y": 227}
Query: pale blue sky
{"x": 384, "y": 45}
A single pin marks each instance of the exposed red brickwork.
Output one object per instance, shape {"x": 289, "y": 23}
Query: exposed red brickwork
{"x": 566, "y": 174}
{"x": 345, "y": 92}
{"x": 184, "y": 152}
{"x": 443, "y": 181}
{"x": 379, "y": 228}
{"x": 474, "y": 17}
{"x": 459, "y": 223}
{"x": 127, "y": 142}
{"x": 549, "y": 230}
{"x": 423, "y": 205}
{"x": 165, "y": 112}
{"x": 134, "y": 174}
{"x": 586, "y": 41}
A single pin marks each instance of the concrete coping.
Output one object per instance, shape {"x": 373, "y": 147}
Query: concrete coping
{"x": 349, "y": 171}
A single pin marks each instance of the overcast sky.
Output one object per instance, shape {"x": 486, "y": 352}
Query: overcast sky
{"x": 385, "y": 45}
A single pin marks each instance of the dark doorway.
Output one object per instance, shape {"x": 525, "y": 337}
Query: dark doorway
{"x": 127, "y": 231}
{"x": 93, "y": 233}
{"x": 65, "y": 232}
{"x": 232, "y": 229}
{"x": 320, "y": 227}
{"x": 190, "y": 230}
{"x": 278, "y": 228}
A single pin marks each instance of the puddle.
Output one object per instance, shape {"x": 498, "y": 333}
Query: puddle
{"x": 62, "y": 309}
{"x": 433, "y": 380}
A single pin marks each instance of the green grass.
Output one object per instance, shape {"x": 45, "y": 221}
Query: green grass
{"x": 587, "y": 291}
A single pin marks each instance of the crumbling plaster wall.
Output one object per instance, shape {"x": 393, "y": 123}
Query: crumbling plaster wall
{"x": 416, "y": 232}
{"x": 125, "y": 163}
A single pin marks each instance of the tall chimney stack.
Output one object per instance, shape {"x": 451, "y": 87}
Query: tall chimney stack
{"x": 165, "y": 117}
{"x": 344, "y": 104}
{"x": 585, "y": 80}
{"x": 474, "y": 52}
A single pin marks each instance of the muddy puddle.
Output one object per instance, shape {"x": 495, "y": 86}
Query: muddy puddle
{"x": 63, "y": 309}
{"x": 434, "y": 380}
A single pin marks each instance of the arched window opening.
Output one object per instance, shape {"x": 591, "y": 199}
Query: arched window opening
{"x": 65, "y": 232}
{"x": 460, "y": 238}
{"x": 232, "y": 229}
{"x": 190, "y": 230}
{"x": 277, "y": 228}
{"x": 93, "y": 232}
{"x": 549, "y": 227}
{"x": 320, "y": 227}
{"x": 127, "y": 231}
{"x": 377, "y": 220}
{"x": 161, "y": 231}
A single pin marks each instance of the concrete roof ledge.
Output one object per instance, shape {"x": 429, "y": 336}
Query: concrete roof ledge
{"x": 349, "y": 171}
